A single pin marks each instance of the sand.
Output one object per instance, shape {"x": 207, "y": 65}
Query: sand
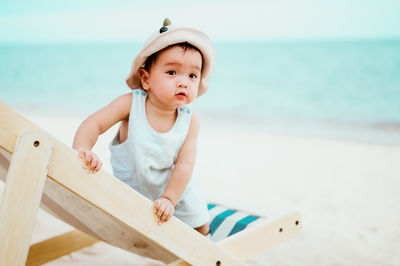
{"x": 347, "y": 192}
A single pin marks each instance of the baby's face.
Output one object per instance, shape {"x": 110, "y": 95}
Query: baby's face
{"x": 175, "y": 76}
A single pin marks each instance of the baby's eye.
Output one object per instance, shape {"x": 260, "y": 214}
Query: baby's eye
{"x": 171, "y": 72}
{"x": 192, "y": 76}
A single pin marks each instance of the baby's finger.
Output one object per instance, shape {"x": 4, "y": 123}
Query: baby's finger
{"x": 156, "y": 206}
{"x": 93, "y": 164}
{"x": 88, "y": 159}
{"x": 165, "y": 216}
{"x": 98, "y": 167}
{"x": 170, "y": 215}
{"x": 161, "y": 210}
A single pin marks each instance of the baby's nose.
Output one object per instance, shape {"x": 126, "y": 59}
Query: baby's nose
{"x": 182, "y": 82}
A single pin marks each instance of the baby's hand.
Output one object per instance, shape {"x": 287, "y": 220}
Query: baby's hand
{"x": 163, "y": 209}
{"x": 90, "y": 160}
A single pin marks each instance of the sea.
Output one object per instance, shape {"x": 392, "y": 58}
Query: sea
{"x": 346, "y": 89}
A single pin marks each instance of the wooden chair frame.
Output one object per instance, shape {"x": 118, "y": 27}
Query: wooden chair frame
{"x": 38, "y": 169}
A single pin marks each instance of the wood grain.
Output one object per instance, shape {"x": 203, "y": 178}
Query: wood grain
{"x": 22, "y": 194}
{"x": 57, "y": 247}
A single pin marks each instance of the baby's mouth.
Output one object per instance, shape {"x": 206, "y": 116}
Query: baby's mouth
{"x": 181, "y": 94}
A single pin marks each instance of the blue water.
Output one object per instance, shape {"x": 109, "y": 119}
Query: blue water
{"x": 336, "y": 82}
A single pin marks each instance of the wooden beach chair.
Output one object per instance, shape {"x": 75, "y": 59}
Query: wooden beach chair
{"x": 40, "y": 171}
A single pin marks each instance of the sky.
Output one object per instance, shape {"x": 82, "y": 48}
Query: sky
{"x": 122, "y": 20}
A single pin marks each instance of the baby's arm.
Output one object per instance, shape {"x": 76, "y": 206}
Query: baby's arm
{"x": 164, "y": 207}
{"x": 95, "y": 125}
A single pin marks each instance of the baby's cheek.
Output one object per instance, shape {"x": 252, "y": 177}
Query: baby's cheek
{"x": 192, "y": 96}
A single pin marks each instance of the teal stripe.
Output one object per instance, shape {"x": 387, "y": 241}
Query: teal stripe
{"x": 241, "y": 224}
{"x": 217, "y": 221}
{"x": 210, "y": 206}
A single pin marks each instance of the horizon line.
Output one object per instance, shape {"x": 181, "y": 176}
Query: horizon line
{"x": 218, "y": 40}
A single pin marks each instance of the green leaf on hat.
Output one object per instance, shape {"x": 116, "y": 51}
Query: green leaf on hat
{"x": 167, "y": 22}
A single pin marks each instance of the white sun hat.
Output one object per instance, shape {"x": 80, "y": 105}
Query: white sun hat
{"x": 168, "y": 35}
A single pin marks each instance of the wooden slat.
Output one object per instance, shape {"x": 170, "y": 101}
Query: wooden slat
{"x": 118, "y": 200}
{"x": 21, "y": 197}
{"x": 255, "y": 240}
{"x": 57, "y": 247}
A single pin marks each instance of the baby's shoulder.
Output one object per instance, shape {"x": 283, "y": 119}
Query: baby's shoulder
{"x": 122, "y": 104}
{"x": 123, "y": 100}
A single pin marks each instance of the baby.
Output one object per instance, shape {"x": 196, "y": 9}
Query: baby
{"x": 155, "y": 148}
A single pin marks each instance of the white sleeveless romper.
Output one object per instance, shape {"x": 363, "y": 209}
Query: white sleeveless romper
{"x": 146, "y": 159}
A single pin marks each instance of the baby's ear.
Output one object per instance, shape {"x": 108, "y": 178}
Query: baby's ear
{"x": 144, "y": 78}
